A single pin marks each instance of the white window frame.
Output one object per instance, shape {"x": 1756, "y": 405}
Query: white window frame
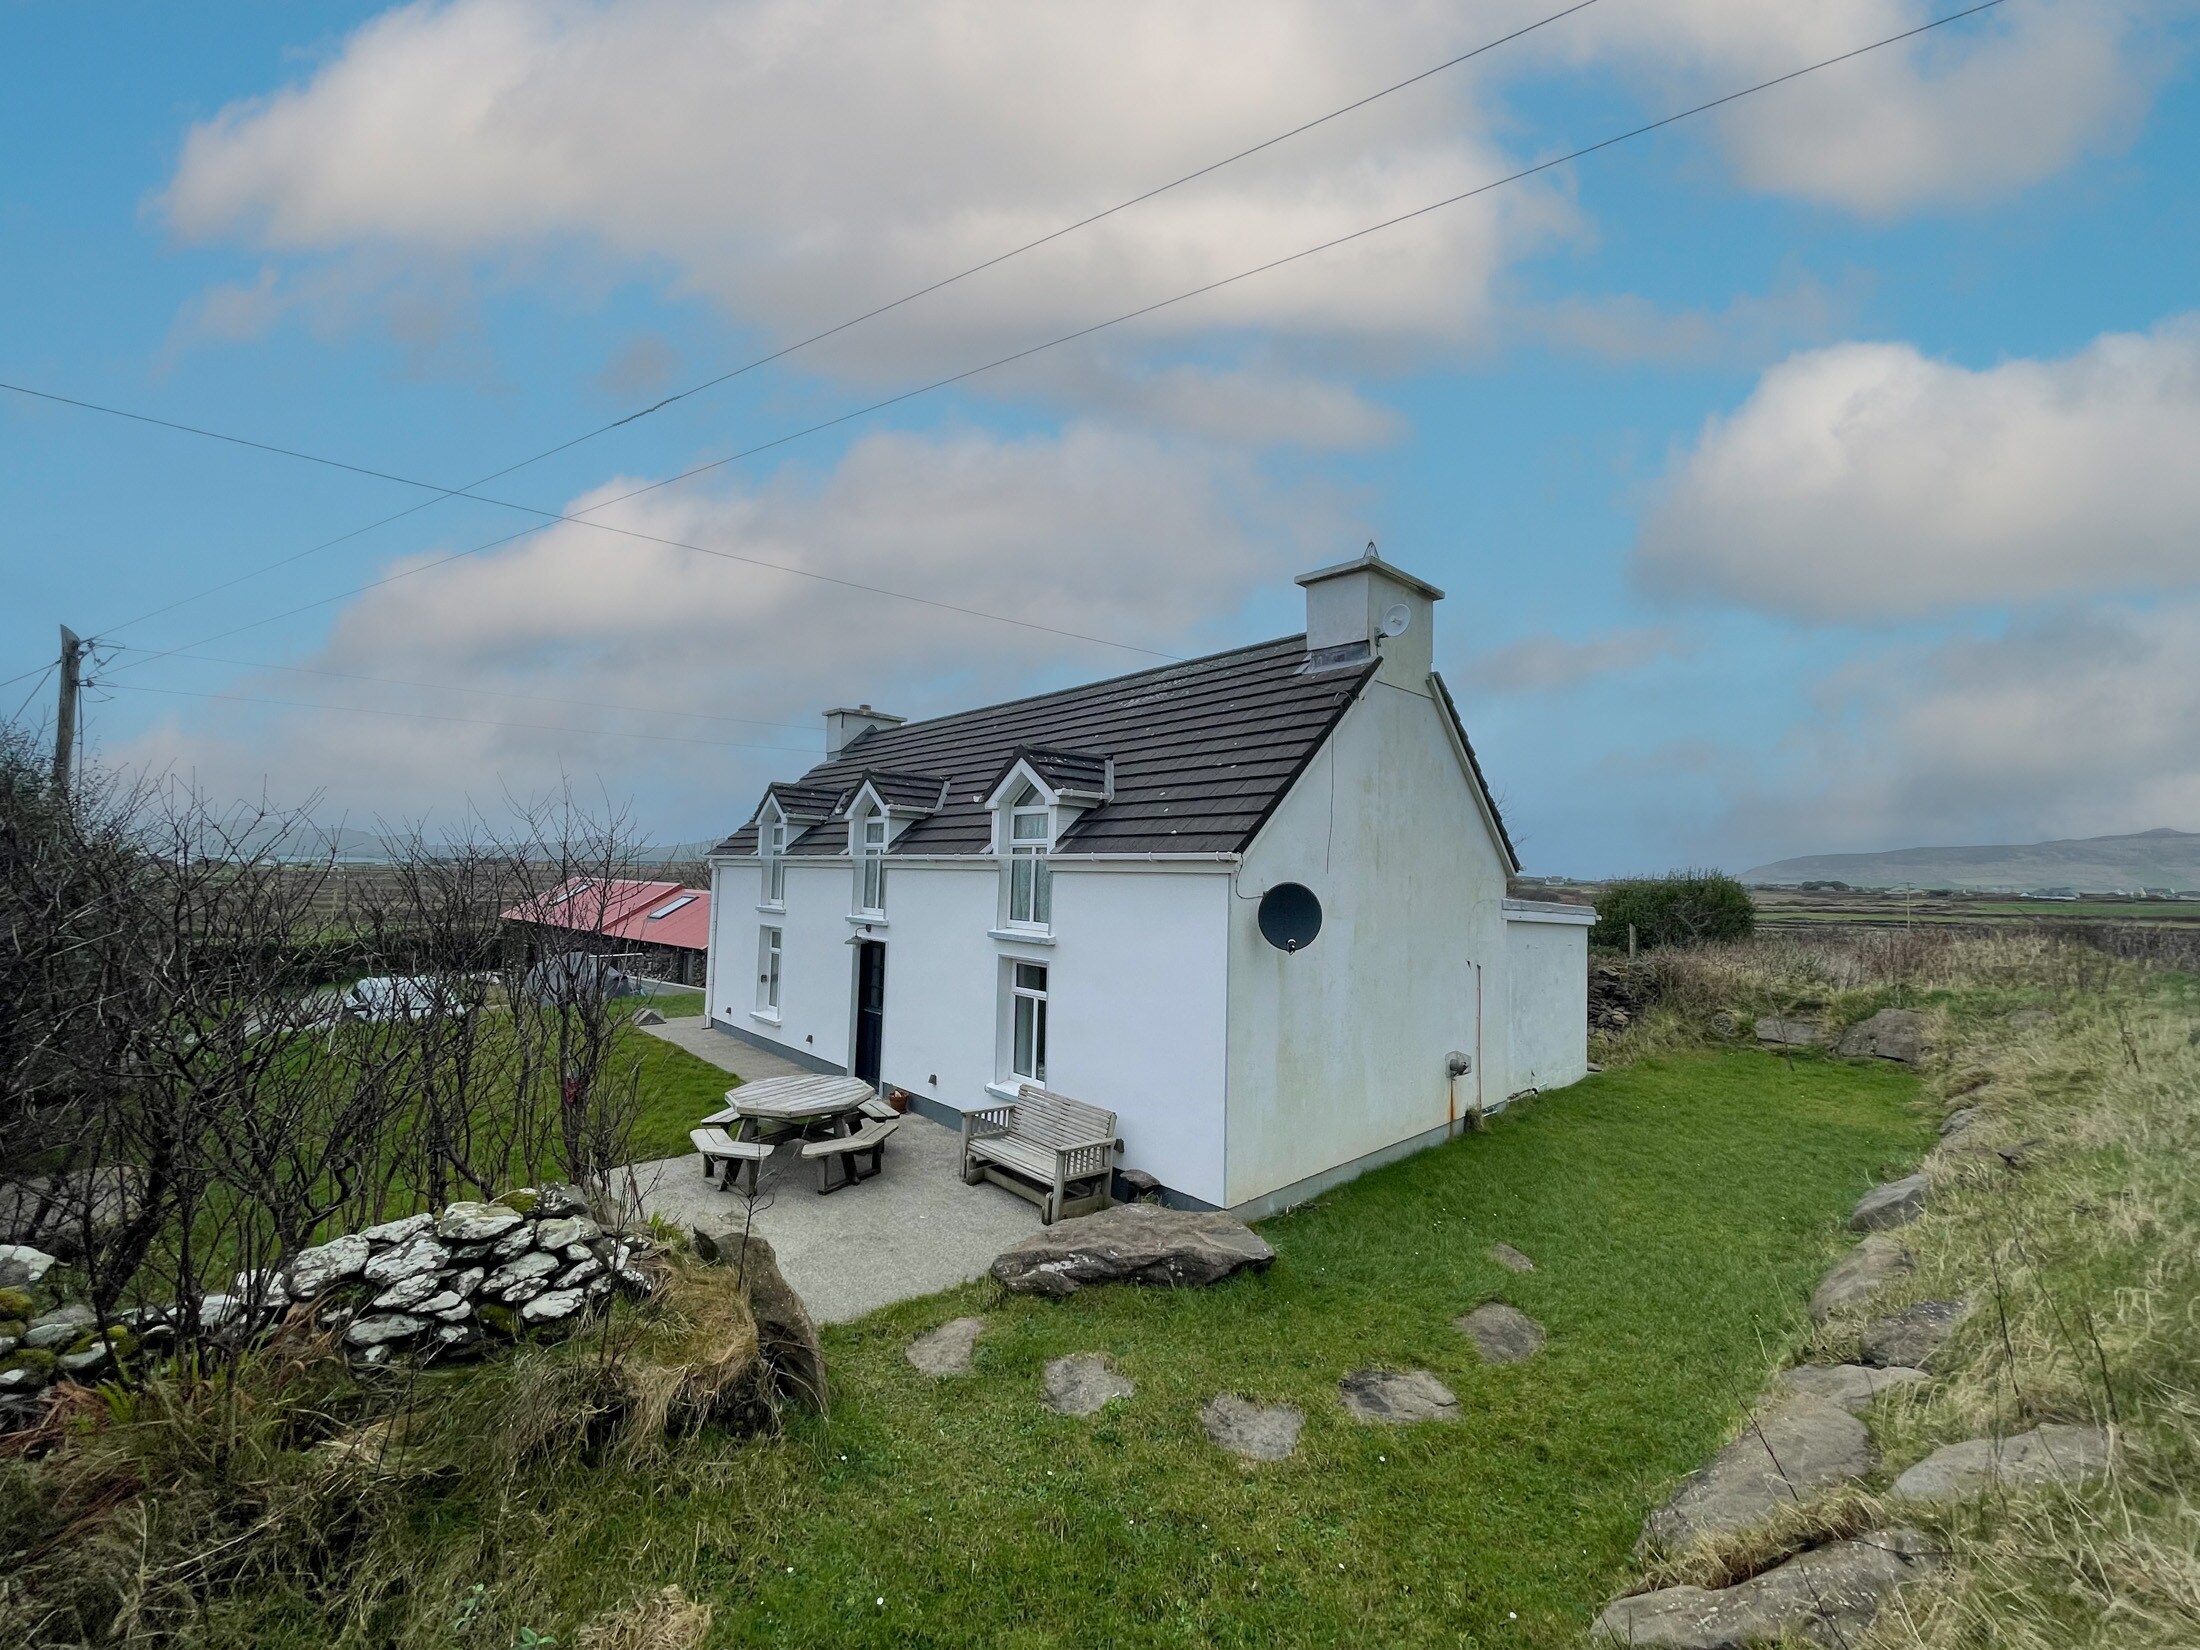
{"x": 1022, "y": 854}
{"x": 1026, "y": 1002}
{"x": 771, "y": 956}
{"x": 771, "y": 846}
{"x": 870, "y": 862}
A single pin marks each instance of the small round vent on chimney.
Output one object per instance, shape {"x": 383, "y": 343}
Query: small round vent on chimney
{"x": 1290, "y": 916}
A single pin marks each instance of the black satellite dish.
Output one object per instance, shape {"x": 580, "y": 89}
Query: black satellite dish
{"x": 1290, "y": 916}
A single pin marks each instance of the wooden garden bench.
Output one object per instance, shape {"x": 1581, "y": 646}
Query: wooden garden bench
{"x": 846, "y": 1151}
{"x": 717, "y": 1146}
{"x": 1057, "y": 1152}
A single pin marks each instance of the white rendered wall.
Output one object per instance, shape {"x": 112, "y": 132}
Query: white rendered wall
{"x": 1338, "y": 1051}
{"x": 1136, "y": 992}
{"x": 1547, "y": 964}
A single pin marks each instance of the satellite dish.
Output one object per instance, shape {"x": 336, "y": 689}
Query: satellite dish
{"x": 1396, "y": 620}
{"x": 1290, "y": 916}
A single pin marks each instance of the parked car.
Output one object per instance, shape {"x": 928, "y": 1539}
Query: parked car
{"x": 577, "y": 976}
{"x": 385, "y": 997}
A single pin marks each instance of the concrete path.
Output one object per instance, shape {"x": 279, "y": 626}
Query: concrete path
{"x": 724, "y": 1050}
{"x": 914, "y": 1230}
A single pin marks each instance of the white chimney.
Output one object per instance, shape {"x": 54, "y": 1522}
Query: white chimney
{"x": 844, "y": 726}
{"x": 1363, "y": 609}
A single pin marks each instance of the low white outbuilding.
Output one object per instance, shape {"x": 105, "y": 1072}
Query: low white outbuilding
{"x": 1255, "y": 904}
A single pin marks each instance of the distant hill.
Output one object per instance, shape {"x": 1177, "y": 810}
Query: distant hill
{"x": 351, "y": 846}
{"x": 2094, "y": 865}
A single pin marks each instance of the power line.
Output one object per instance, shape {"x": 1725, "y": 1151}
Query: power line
{"x": 442, "y": 493}
{"x": 469, "y": 721}
{"x": 554, "y": 518}
{"x": 478, "y": 692}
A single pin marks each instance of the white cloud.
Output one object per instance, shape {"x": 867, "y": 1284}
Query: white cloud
{"x": 2083, "y": 724}
{"x": 1965, "y": 114}
{"x": 1867, "y": 481}
{"x": 801, "y": 160}
{"x": 1092, "y": 531}
{"x": 1551, "y": 664}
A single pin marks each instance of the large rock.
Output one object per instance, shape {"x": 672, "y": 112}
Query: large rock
{"x": 785, "y": 1332}
{"x": 1084, "y": 1384}
{"x": 551, "y": 1306}
{"x": 2048, "y": 1455}
{"x": 326, "y": 1264}
{"x": 948, "y": 1349}
{"x": 1961, "y": 1121}
{"x": 1913, "y": 1337}
{"x": 21, "y": 1266}
{"x": 1510, "y": 1258}
{"x": 54, "y": 1212}
{"x": 1502, "y": 1334}
{"x": 567, "y": 1230}
{"x": 476, "y": 1222}
{"x": 378, "y": 1331}
{"x": 397, "y": 1231}
{"x": 1255, "y": 1432}
{"x": 1397, "y": 1398}
{"x": 1827, "y": 1596}
{"x": 534, "y": 1267}
{"x": 1896, "y": 1203}
{"x": 1786, "y": 1455}
{"x": 1133, "y": 1243}
{"x": 1775, "y": 1032}
{"x": 1852, "y": 1386}
{"x": 60, "y": 1326}
{"x": 1862, "y": 1272}
{"x": 1891, "y": 1034}
{"x": 409, "y": 1259}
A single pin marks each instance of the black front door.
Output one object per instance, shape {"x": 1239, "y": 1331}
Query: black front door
{"x": 870, "y": 1008}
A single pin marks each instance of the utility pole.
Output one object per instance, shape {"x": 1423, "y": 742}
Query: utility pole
{"x": 64, "y": 730}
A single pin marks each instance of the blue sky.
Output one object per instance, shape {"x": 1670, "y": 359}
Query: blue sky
{"x": 1815, "y": 476}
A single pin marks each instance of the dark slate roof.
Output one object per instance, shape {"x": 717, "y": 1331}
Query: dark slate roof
{"x": 1081, "y": 771}
{"x": 1203, "y": 752}
{"x": 807, "y": 801}
{"x": 900, "y": 790}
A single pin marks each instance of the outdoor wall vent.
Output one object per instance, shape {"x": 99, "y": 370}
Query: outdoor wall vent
{"x": 1290, "y": 916}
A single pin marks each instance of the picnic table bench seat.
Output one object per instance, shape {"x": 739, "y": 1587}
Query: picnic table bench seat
{"x": 847, "y": 1151}
{"x": 1057, "y": 1152}
{"x": 719, "y": 1147}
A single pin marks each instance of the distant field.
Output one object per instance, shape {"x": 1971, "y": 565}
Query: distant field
{"x": 1799, "y": 908}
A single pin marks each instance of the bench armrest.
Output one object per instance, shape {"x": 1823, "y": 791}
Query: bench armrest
{"x": 976, "y": 1125}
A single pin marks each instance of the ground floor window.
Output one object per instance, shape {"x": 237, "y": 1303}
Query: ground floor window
{"x": 1027, "y": 1056}
{"x": 767, "y": 971}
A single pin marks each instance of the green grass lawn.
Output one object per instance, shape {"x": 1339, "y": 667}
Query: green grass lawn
{"x": 1678, "y": 1212}
{"x": 678, "y": 1091}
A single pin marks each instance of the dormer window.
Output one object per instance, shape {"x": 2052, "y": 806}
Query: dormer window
{"x": 1030, "y": 880}
{"x": 869, "y": 843}
{"x": 772, "y": 844}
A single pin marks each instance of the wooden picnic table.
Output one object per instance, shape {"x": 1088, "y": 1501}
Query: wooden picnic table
{"x": 793, "y": 1100}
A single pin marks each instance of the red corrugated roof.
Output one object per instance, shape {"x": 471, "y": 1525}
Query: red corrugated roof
{"x": 619, "y": 908}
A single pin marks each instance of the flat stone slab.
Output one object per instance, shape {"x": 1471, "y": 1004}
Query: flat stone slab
{"x": 1256, "y": 1432}
{"x": 1510, "y": 1258}
{"x": 1784, "y": 1457}
{"x": 1861, "y": 1273}
{"x": 1397, "y": 1398}
{"x": 1775, "y": 1032}
{"x": 947, "y": 1350}
{"x": 1084, "y": 1383}
{"x": 1502, "y": 1334}
{"x": 1913, "y": 1337}
{"x": 1851, "y": 1386}
{"x": 1827, "y": 1596}
{"x": 2047, "y": 1455}
{"x": 1133, "y": 1243}
{"x": 1891, "y": 1034}
{"x": 1896, "y": 1203}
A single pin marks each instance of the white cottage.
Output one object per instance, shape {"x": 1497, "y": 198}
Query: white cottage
{"x": 1255, "y": 904}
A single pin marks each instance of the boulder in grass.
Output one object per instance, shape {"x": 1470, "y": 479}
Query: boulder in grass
{"x": 1510, "y": 1258}
{"x": 1133, "y": 1243}
{"x": 1827, "y": 1596}
{"x": 947, "y": 1350}
{"x": 2045, "y": 1455}
{"x": 1862, "y": 1273}
{"x": 1250, "y": 1431}
{"x": 1501, "y": 1333}
{"x": 1397, "y": 1398}
{"x": 1852, "y": 1386}
{"x": 1775, "y": 1032}
{"x": 1896, "y": 1203}
{"x": 1783, "y": 1456}
{"x": 1085, "y": 1384}
{"x": 1913, "y": 1337}
{"x": 1892, "y": 1034}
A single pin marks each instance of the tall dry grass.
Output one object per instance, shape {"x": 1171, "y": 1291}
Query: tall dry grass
{"x": 2068, "y": 1216}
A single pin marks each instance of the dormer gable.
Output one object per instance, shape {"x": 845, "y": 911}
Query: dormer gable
{"x": 1063, "y": 778}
